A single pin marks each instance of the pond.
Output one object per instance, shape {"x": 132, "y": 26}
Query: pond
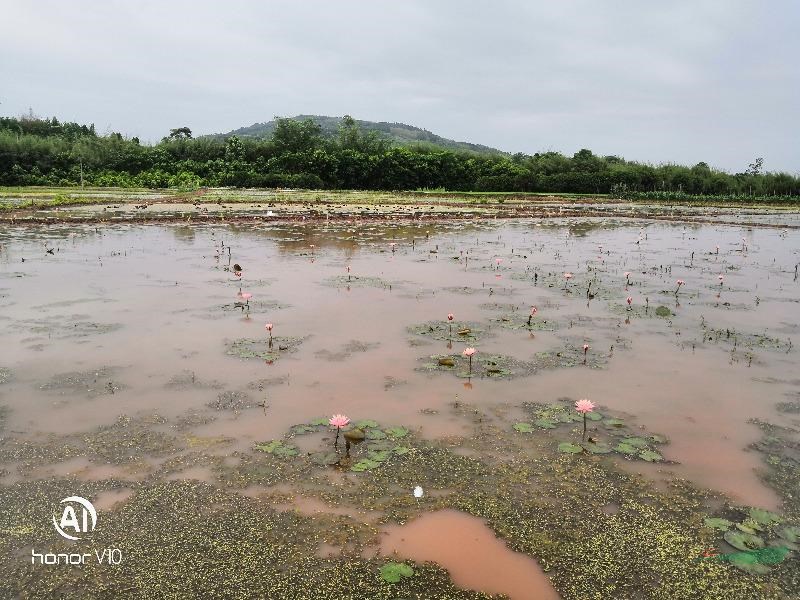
{"x": 136, "y": 365}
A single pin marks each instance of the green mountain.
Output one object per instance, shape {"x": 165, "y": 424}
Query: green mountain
{"x": 396, "y": 133}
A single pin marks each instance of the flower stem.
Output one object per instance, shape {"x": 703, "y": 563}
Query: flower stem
{"x": 583, "y": 438}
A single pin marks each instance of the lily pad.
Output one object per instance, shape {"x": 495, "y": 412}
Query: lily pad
{"x": 302, "y": 429}
{"x": 748, "y": 562}
{"x": 717, "y": 523}
{"x": 523, "y": 427}
{"x": 596, "y": 448}
{"x": 379, "y": 455}
{"x": 623, "y": 448}
{"x": 569, "y": 448}
{"x": 365, "y": 464}
{"x": 764, "y": 517}
{"x": 401, "y": 450}
{"x": 375, "y": 434}
{"x": 277, "y": 448}
{"x": 790, "y": 534}
{"x": 746, "y": 528}
{"x": 393, "y": 572}
{"x": 743, "y": 541}
{"x": 594, "y": 416}
{"x": 397, "y": 432}
{"x": 663, "y": 311}
{"x": 318, "y": 422}
{"x": 545, "y": 423}
{"x": 636, "y": 442}
{"x": 650, "y": 456}
{"x": 614, "y": 423}
{"x": 366, "y": 424}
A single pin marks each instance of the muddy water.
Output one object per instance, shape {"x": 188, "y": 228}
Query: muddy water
{"x": 473, "y": 556}
{"x": 134, "y": 320}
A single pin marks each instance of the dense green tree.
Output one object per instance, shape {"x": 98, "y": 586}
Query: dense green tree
{"x": 37, "y": 151}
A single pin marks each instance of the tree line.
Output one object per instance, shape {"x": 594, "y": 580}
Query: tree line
{"x": 36, "y": 151}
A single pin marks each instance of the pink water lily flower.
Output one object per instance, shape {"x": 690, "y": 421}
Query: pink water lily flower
{"x": 584, "y": 406}
{"x": 339, "y": 421}
{"x": 246, "y": 296}
{"x": 629, "y": 300}
{"x": 469, "y": 352}
{"x": 450, "y": 316}
{"x": 568, "y": 276}
{"x": 586, "y": 348}
{"x": 268, "y": 326}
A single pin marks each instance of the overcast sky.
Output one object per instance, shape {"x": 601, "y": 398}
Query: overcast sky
{"x": 676, "y": 81}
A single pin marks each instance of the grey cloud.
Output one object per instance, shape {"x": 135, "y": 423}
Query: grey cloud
{"x": 681, "y": 81}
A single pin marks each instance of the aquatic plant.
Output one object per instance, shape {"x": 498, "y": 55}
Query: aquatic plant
{"x": 533, "y": 314}
{"x": 567, "y": 277}
{"x": 338, "y": 421}
{"x": 627, "y": 279}
{"x": 268, "y": 327}
{"x": 450, "y": 318}
{"x": 585, "y": 352}
{"x": 584, "y": 406}
{"x": 469, "y": 353}
{"x": 629, "y": 300}
{"x": 680, "y": 282}
{"x": 243, "y": 299}
{"x": 348, "y": 272}
{"x": 394, "y": 572}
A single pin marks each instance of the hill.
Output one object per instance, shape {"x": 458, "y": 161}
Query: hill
{"x": 396, "y": 133}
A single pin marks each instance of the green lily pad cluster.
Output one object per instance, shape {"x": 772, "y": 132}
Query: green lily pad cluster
{"x": 457, "y": 331}
{"x": 571, "y": 355}
{"x": 260, "y": 349}
{"x": 762, "y": 537}
{"x": 608, "y": 434}
{"x": 779, "y": 450}
{"x": 380, "y": 444}
{"x": 278, "y": 448}
{"x": 483, "y": 366}
{"x": 733, "y": 338}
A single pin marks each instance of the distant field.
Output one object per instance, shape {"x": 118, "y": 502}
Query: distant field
{"x": 16, "y": 198}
